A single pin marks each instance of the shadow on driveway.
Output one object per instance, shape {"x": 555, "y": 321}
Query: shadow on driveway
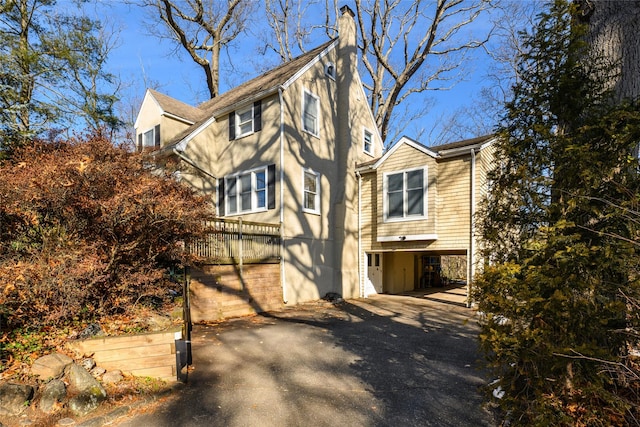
{"x": 382, "y": 361}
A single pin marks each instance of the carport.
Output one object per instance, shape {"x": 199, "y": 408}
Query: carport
{"x": 397, "y": 272}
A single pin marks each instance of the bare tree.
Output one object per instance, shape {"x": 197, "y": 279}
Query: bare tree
{"x": 481, "y": 114}
{"x": 411, "y": 47}
{"x": 202, "y": 28}
{"x": 285, "y": 19}
{"x": 292, "y": 29}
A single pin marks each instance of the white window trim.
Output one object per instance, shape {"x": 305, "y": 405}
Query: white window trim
{"x": 327, "y": 70}
{"x": 239, "y": 134}
{"x": 364, "y": 146}
{"x": 254, "y": 197}
{"x": 318, "y": 120}
{"x": 153, "y": 138}
{"x": 317, "y": 197}
{"x": 425, "y": 199}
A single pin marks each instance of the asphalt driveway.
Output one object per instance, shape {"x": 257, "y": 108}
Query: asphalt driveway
{"x": 382, "y": 361}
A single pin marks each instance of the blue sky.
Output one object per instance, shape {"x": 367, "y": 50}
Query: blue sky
{"x": 141, "y": 60}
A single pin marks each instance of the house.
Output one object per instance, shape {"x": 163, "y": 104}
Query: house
{"x": 282, "y": 148}
{"x": 417, "y": 208}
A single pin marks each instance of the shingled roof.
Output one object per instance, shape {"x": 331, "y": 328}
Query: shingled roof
{"x": 177, "y": 108}
{"x": 263, "y": 84}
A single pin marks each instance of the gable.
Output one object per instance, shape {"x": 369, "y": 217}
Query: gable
{"x": 149, "y": 112}
{"x": 405, "y": 149}
{"x": 406, "y": 156}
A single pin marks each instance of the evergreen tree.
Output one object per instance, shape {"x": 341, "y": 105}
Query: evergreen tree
{"x": 52, "y": 73}
{"x": 561, "y": 234}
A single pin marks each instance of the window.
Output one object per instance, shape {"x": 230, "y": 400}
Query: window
{"x": 245, "y": 121}
{"x": 368, "y": 142}
{"x": 310, "y": 113}
{"x": 246, "y": 192}
{"x": 310, "y": 191}
{"x": 149, "y": 139}
{"x": 405, "y": 194}
{"x": 330, "y": 70}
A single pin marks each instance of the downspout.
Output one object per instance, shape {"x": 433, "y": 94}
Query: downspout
{"x": 282, "y": 246}
{"x": 360, "y": 258}
{"x": 472, "y": 244}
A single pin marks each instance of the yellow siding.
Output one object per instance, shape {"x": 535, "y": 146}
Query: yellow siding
{"x": 407, "y": 157}
{"x": 449, "y": 202}
{"x": 454, "y": 203}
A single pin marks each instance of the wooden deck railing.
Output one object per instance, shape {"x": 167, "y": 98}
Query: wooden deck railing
{"x": 234, "y": 241}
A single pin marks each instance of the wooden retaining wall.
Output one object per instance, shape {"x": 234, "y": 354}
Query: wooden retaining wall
{"x": 221, "y": 291}
{"x": 143, "y": 355}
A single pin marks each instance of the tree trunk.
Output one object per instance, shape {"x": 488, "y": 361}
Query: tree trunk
{"x": 614, "y": 26}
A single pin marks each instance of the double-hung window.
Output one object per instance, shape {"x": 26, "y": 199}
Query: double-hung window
{"x": 368, "y": 142}
{"x": 246, "y": 192}
{"x": 244, "y": 122}
{"x": 310, "y": 112}
{"x": 405, "y": 194}
{"x": 310, "y": 191}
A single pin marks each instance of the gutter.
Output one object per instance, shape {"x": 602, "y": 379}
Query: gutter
{"x": 282, "y": 247}
{"x": 459, "y": 151}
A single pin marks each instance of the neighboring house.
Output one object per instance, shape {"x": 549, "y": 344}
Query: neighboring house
{"x": 417, "y": 209}
{"x": 282, "y": 148}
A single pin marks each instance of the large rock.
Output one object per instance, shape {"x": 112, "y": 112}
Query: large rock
{"x": 14, "y": 398}
{"x": 112, "y": 377}
{"x": 90, "y": 392}
{"x": 53, "y": 393}
{"x": 50, "y": 366}
{"x": 85, "y": 403}
{"x": 93, "y": 330}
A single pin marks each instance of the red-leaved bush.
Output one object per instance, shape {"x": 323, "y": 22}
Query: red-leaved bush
{"x": 87, "y": 230}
